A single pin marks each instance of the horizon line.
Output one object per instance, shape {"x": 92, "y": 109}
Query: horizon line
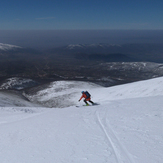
{"x": 81, "y": 29}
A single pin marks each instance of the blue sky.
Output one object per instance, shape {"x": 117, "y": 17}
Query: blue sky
{"x": 81, "y": 14}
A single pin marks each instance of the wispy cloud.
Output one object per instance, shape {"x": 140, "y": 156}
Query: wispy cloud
{"x": 45, "y": 18}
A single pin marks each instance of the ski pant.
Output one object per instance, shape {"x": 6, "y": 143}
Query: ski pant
{"x": 89, "y": 101}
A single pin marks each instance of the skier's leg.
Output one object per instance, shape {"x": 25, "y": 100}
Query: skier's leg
{"x": 91, "y": 102}
{"x": 86, "y": 102}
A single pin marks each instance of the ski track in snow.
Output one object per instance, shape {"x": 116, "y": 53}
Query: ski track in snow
{"x": 121, "y": 154}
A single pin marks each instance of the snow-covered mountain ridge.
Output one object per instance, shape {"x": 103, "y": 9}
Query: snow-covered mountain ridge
{"x": 17, "y": 83}
{"x": 8, "y": 47}
{"x": 132, "y": 70}
{"x": 66, "y": 93}
{"x": 73, "y": 46}
{"x": 61, "y": 94}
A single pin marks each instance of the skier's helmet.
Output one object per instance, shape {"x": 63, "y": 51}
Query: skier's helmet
{"x": 82, "y": 92}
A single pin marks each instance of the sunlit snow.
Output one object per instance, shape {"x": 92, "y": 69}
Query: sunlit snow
{"x": 125, "y": 128}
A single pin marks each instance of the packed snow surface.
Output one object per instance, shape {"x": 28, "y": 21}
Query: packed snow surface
{"x": 125, "y": 128}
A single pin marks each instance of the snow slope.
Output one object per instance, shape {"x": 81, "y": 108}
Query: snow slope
{"x": 125, "y": 128}
{"x": 67, "y": 93}
{"x": 14, "y": 98}
{"x": 61, "y": 93}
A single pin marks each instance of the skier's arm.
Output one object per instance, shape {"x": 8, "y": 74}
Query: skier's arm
{"x": 81, "y": 97}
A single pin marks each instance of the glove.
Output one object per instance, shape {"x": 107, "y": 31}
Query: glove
{"x": 79, "y": 100}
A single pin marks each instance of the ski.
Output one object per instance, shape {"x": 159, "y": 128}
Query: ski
{"x": 88, "y": 105}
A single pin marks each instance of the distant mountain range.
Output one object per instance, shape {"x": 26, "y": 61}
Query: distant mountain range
{"x": 106, "y": 63}
{"x": 111, "y": 53}
{"x": 98, "y": 52}
{"x": 5, "y": 47}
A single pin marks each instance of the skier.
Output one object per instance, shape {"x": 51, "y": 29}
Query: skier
{"x": 87, "y": 97}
